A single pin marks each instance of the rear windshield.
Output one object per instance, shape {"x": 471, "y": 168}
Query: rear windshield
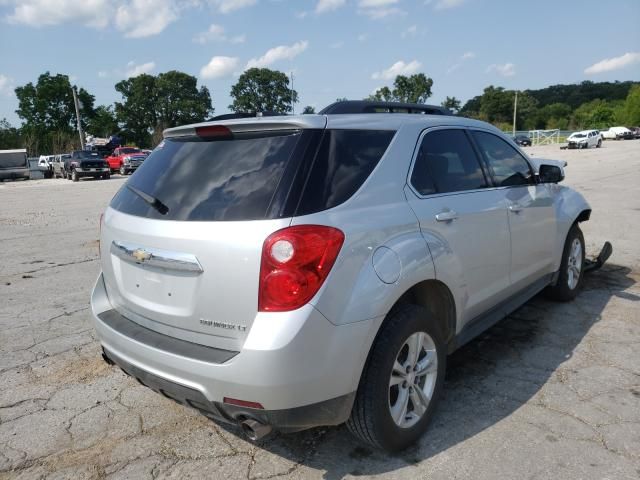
{"x": 13, "y": 160}
{"x": 252, "y": 177}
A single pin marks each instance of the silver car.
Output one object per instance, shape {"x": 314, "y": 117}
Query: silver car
{"x": 288, "y": 272}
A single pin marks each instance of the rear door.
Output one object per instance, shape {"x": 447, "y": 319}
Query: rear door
{"x": 532, "y": 219}
{"x": 182, "y": 240}
{"x": 464, "y": 222}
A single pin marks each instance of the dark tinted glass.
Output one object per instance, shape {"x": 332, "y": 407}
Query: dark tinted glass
{"x": 446, "y": 162}
{"x": 85, "y": 155}
{"x": 209, "y": 180}
{"x": 14, "y": 159}
{"x": 507, "y": 165}
{"x": 343, "y": 162}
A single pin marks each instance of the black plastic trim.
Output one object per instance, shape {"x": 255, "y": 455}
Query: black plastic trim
{"x": 486, "y": 320}
{"x": 329, "y": 412}
{"x": 146, "y": 336}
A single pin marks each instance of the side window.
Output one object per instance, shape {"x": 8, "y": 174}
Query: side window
{"x": 445, "y": 163}
{"x": 508, "y": 166}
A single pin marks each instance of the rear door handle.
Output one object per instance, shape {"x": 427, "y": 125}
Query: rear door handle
{"x": 515, "y": 208}
{"x": 446, "y": 216}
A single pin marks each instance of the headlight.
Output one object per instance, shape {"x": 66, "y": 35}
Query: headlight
{"x": 127, "y": 159}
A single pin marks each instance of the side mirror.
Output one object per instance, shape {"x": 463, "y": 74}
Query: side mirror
{"x": 550, "y": 174}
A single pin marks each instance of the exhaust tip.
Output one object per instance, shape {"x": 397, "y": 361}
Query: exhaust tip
{"x": 255, "y": 430}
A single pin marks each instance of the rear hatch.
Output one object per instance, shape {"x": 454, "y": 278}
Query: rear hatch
{"x": 182, "y": 240}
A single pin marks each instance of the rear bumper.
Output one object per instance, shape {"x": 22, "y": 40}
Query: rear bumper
{"x": 303, "y": 378}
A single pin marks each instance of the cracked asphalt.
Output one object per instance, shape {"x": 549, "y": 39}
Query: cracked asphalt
{"x": 551, "y": 392}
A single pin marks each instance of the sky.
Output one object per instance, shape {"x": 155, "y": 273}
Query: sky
{"x": 333, "y": 48}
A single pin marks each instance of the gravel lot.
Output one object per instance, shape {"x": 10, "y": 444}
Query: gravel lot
{"x": 551, "y": 392}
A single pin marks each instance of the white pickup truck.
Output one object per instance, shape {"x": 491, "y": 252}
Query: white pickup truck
{"x": 617, "y": 133}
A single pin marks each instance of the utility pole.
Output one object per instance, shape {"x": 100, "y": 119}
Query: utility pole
{"x": 75, "y": 101}
{"x": 293, "y": 106}
{"x": 515, "y": 111}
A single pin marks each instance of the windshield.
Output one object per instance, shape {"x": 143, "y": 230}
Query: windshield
{"x": 85, "y": 155}
{"x": 13, "y": 159}
{"x": 578, "y": 135}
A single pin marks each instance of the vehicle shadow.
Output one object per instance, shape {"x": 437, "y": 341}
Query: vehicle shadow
{"x": 487, "y": 380}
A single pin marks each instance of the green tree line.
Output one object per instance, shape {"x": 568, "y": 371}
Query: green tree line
{"x": 151, "y": 103}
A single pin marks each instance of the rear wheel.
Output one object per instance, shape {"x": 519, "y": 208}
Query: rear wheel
{"x": 599, "y": 144}
{"x": 401, "y": 382}
{"x": 571, "y": 268}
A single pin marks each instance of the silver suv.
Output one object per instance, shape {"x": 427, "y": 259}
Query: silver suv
{"x": 287, "y": 272}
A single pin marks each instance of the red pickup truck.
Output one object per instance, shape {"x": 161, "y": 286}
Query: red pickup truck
{"x": 125, "y": 159}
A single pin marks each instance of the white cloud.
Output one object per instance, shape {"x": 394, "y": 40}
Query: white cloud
{"x": 38, "y": 13}
{"x": 445, "y": 4}
{"x": 103, "y": 74}
{"x": 219, "y": 67}
{"x": 216, "y": 33}
{"x": 398, "y": 68}
{"x": 378, "y": 9}
{"x": 467, "y": 55}
{"x": 336, "y": 45}
{"x": 282, "y": 52}
{"x": 134, "y": 18}
{"x": 6, "y": 85}
{"x": 324, "y": 6}
{"x": 144, "y": 18}
{"x": 615, "y": 63}
{"x": 227, "y": 6}
{"x": 506, "y": 69}
{"x": 134, "y": 70}
{"x": 363, "y": 37}
{"x": 411, "y": 31}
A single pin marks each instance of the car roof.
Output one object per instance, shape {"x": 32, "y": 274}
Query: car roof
{"x": 369, "y": 121}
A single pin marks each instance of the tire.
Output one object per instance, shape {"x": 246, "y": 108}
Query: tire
{"x": 74, "y": 176}
{"x": 567, "y": 287}
{"x": 107, "y": 176}
{"x": 599, "y": 144}
{"x": 371, "y": 416}
{"x": 123, "y": 171}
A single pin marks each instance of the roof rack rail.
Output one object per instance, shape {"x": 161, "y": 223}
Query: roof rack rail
{"x": 233, "y": 116}
{"x": 367, "y": 106}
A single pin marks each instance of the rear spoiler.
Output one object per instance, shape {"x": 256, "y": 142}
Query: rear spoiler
{"x": 253, "y": 124}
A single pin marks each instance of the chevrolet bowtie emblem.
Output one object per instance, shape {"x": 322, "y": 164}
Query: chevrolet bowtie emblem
{"x": 141, "y": 255}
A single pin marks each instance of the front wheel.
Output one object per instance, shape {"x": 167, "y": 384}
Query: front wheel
{"x": 401, "y": 381}
{"x": 123, "y": 171}
{"x": 571, "y": 268}
{"x": 599, "y": 144}
{"x": 74, "y": 176}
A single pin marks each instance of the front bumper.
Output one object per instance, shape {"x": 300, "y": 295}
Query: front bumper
{"x": 302, "y": 380}
{"x": 91, "y": 172}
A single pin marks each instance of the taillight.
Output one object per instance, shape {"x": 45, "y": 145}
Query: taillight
{"x": 214, "y": 131}
{"x": 295, "y": 263}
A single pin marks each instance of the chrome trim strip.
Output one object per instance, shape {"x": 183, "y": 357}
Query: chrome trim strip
{"x": 153, "y": 257}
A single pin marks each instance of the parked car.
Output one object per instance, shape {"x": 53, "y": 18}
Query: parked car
{"x": 322, "y": 268}
{"x": 45, "y": 164}
{"x": 522, "y": 140}
{"x": 618, "y": 133}
{"x": 58, "y": 165}
{"x": 125, "y": 159}
{"x": 585, "y": 139}
{"x": 635, "y": 131}
{"x": 83, "y": 163}
{"x": 14, "y": 164}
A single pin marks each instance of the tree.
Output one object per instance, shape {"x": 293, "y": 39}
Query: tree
{"x": 308, "y": 109}
{"x": 9, "y": 136}
{"x": 413, "y": 89}
{"x": 103, "y": 123}
{"x": 48, "y": 113}
{"x": 262, "y": 90}
{"x": 452, "y": 103}
{"x": 151, "y": 104}
{"x": 631, "y": 108}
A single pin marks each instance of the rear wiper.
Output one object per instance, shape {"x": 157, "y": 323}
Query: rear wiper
{"x": 151, "y": 200}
